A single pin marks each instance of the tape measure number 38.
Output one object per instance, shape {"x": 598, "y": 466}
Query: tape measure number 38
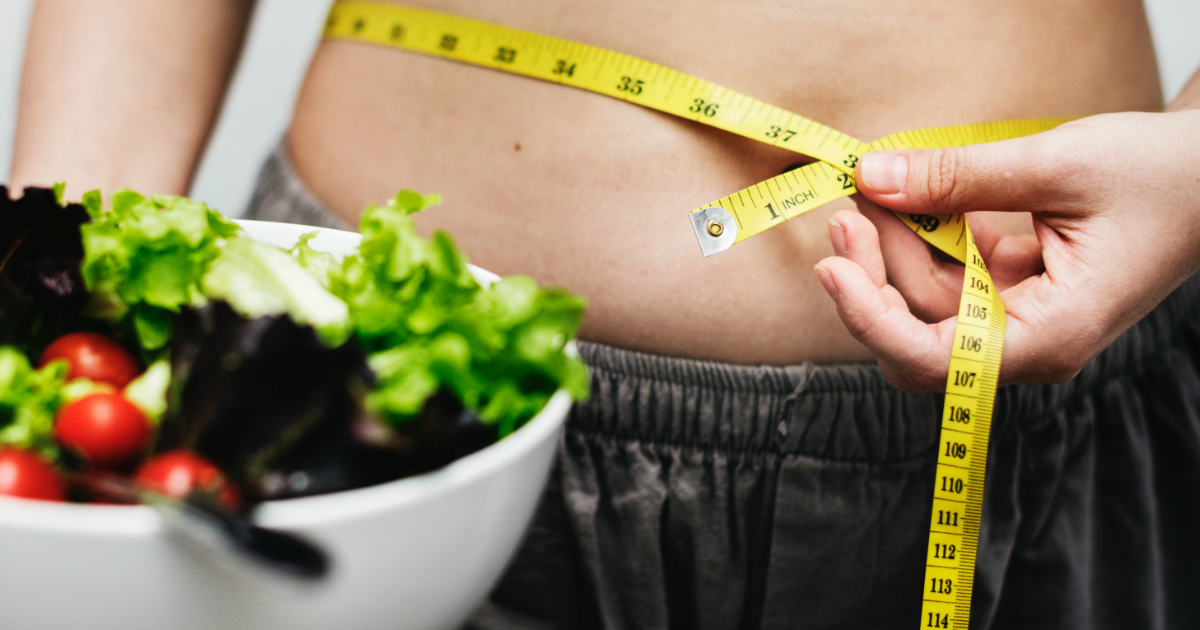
{"x": 979, "y": 334}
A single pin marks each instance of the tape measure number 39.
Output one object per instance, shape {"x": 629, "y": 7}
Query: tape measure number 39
{"x": 979, "y": 334}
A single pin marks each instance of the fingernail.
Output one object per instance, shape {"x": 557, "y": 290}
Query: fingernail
{"x": 827, "y": 281}
{"x": 884, "y": 172}
{"x": 837, "y": 236}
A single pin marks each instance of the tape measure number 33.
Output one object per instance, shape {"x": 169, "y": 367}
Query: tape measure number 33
{"x": 979, "y": 334}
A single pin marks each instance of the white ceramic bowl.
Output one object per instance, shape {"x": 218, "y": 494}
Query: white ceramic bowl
{"x": 420, "y": 552}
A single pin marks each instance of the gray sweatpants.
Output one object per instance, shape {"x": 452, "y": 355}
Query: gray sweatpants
{"x": 693, "y": 494}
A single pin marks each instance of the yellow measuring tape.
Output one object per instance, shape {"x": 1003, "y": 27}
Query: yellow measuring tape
{"x": 979, "y": 335}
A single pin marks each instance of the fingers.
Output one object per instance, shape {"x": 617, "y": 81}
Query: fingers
{"x": 854, "y": 237}
{"x": 1046, "y": 340}
{"x": 1050, "y": 336}
{"x": 1024, "y": 174}
{"x": 929, "y": 282}
{"x": 913, "y": 355}
{"x": 1010, "y": 258}
{"x": 1105, "y": 193}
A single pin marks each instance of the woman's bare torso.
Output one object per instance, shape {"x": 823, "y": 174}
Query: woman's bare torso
{"x": 546, "y": 180}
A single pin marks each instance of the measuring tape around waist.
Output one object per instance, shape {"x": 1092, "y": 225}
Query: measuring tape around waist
{"x": 979, "y": 333}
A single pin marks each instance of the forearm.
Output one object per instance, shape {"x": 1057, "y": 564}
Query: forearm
{"x": 123, "y": 93}
{"x": 1189, "y": 96}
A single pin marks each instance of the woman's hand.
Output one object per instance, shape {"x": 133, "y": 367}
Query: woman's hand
{"x": 1115, "y": 201}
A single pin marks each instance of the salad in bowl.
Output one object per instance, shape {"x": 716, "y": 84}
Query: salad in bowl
{"x": 248, "y": 363}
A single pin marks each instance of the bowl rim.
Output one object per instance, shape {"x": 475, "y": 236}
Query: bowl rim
{"x": 138, "y": 520}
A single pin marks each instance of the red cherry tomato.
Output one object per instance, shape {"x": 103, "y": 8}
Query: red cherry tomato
{"x": 105, "y": 428}
{"x": 94, "y": 357}
{"x": 177, "y": 473}
{"x": 25, "y": 474}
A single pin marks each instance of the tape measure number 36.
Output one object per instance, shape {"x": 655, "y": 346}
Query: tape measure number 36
{"x": 979, "y": 334}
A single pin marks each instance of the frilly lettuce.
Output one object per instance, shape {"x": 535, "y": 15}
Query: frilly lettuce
{"x": 28, "y": 400}
{"x": 322, "y": 266}
{"x": 401, "y": 284}
{"x": 430, "y": 326}
{"x": 145, "y": 258}
{"x": 411, "y": 303}
{"x": 149, "y": 390}
{"x": 259, "y": 280}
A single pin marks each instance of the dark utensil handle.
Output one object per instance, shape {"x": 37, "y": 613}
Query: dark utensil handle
{"x": 279, "y": 550}
{"x": 221, "y": 532}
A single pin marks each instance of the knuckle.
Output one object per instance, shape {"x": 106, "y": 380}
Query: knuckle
{"x": 1062, "y": 367}
{"x": 872, "y": 332}
{"x": 900, "y": 378}
{"x": 934, "y": 367}
{"x": 931, "y": 379}
{"x": 913, "y": 378}
{"x": 894, "y": 377}
{"x": 921, "y": 372}
{"x": 1070, "y": 357}
{"x": 944, "y": 177}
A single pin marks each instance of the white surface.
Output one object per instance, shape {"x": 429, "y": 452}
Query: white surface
{"x": 420, "y": 552}
{"x": 282, "y": 39}
{"x": 285, "y": 32}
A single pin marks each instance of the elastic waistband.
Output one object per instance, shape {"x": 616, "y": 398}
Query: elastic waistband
{"x": 834, "y": 412}
{"x": 840, "y": 412}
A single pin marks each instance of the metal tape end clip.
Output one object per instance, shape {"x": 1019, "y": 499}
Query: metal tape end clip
{"x": 715, "y": 228}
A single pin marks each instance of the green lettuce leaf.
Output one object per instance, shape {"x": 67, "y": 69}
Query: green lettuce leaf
{"x": 145, "y": 257}
{"x": 28, "y": 400}
{"x": 401, "y": 284}
{"x": 410, "y": 302}
{"x": 323, "y": 267}
{"x": 258, "y": 280}
{"x": 149, "y": 390}
{"x": 429, "y": 326}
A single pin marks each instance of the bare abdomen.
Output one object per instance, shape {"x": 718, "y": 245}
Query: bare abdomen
{"x": 591, "y": 193}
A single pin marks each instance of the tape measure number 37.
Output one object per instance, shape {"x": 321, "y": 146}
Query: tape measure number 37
{"x": 979, "y": 334}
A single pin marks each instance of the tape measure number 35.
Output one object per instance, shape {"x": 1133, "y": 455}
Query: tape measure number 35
{"x": 979, "y": 334}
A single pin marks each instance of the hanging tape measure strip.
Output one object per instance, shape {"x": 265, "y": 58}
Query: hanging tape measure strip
{"x": 979, "y": 333}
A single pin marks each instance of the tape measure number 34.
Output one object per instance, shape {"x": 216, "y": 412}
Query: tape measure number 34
{"x": 979, "y": 334}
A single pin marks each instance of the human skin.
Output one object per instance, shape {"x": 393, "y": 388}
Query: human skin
{"x": 588, "y": 192}
{"x": 123, "y": 93}
{"x": 1115, "y": 203}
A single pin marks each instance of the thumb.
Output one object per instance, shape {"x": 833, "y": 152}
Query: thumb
{"x": 1011, "y": 175}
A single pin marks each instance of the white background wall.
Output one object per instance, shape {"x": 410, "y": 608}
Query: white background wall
{"x": 283, "y": 35}
{"x": 285, "y": 32}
